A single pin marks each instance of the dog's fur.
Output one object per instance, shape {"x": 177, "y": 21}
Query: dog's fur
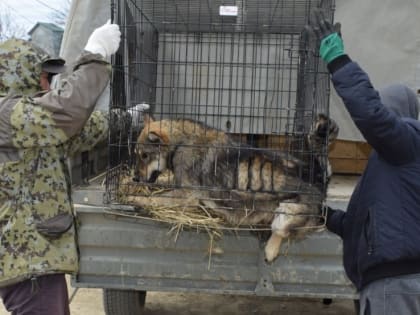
{"x": 245, "y": 185}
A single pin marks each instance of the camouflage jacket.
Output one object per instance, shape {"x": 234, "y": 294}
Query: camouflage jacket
{"x": 37, "y": 135}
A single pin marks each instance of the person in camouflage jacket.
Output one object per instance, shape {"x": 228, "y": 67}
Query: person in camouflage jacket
{"x": 39, "y": 131}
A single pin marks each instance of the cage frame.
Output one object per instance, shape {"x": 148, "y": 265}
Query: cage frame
{"x": 306, "y": 86}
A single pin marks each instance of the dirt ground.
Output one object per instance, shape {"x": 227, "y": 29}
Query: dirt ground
{"x": 89, "y": 302}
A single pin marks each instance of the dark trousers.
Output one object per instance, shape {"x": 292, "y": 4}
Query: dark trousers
{"x": 44, "y": 295}
{"x": 392, "y": 296}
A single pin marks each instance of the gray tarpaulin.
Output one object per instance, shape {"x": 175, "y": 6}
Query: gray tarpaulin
{"x": 381, "y": 35}
{"x": 84, "y": 17}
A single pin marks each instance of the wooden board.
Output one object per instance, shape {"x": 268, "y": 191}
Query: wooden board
{"x": 349, "y": 157}
{"x": 346, "y": 157}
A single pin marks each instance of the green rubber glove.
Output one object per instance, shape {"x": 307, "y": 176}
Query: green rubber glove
{"x": 329, "y": 35}
{"x": 331, "y": 47}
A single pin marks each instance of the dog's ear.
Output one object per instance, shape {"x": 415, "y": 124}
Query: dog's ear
{"x": 157, "y": 137}
{"x": 154, "y": 137}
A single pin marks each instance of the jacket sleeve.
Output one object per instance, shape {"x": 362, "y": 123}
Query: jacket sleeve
{"x": 94, "y": 131}
{"x": 388, "y": 134}
{"x": 335, "y": 220}
{"x": 60, "y": 114}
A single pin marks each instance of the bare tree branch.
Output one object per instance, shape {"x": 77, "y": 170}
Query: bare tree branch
{"x": 8, "y": 28}
{"x": 59, "y": 15}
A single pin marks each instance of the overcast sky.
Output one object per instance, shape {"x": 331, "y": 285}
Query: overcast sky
{"x": 28, "y": 12}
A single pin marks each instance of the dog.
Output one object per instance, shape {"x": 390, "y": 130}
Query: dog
{"x": 243, "y": 184}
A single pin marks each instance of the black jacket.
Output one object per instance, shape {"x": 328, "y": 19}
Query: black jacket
{"x": 381, "y": 227}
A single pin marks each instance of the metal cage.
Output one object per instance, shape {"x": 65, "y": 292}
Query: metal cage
{"x": 243, "y": 67}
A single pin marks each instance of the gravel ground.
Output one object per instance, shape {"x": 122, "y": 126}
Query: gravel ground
{"x": 89, "y": 302}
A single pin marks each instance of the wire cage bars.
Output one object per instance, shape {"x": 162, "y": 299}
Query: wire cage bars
{"x": 234, "y": 88}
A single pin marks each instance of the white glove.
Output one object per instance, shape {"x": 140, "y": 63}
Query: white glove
{"x": 136, "y": 110}
{"x": 104, "y": 40}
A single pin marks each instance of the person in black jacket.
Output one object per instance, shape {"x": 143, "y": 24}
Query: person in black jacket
{"x": 381, "y": 227}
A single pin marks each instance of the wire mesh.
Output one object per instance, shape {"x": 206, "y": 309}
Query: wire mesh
{"x": 238, "y": 83}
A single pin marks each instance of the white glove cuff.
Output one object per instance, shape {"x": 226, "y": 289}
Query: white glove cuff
{"x": 95, "y": 49}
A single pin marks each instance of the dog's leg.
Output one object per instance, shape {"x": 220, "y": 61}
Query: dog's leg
{"x": 279, "y": 231}
{"x": 287, "y": 218}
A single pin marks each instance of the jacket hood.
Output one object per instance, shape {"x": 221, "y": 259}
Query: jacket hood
{"x": 401, "y": 100}
{"x": 20, "y": 67}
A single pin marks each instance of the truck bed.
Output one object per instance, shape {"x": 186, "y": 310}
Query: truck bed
{"x": 122, "y": 252}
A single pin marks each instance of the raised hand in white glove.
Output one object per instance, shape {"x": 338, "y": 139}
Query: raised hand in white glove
{"x": 104, "y": 40}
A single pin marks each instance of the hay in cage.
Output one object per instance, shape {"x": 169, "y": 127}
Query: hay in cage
{"x": 189, "y": 214}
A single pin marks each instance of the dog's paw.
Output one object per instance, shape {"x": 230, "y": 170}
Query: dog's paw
{"x": 272, "y": 248}
{"x": 325, "y": 126}
{"x": 271, "y": 253}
